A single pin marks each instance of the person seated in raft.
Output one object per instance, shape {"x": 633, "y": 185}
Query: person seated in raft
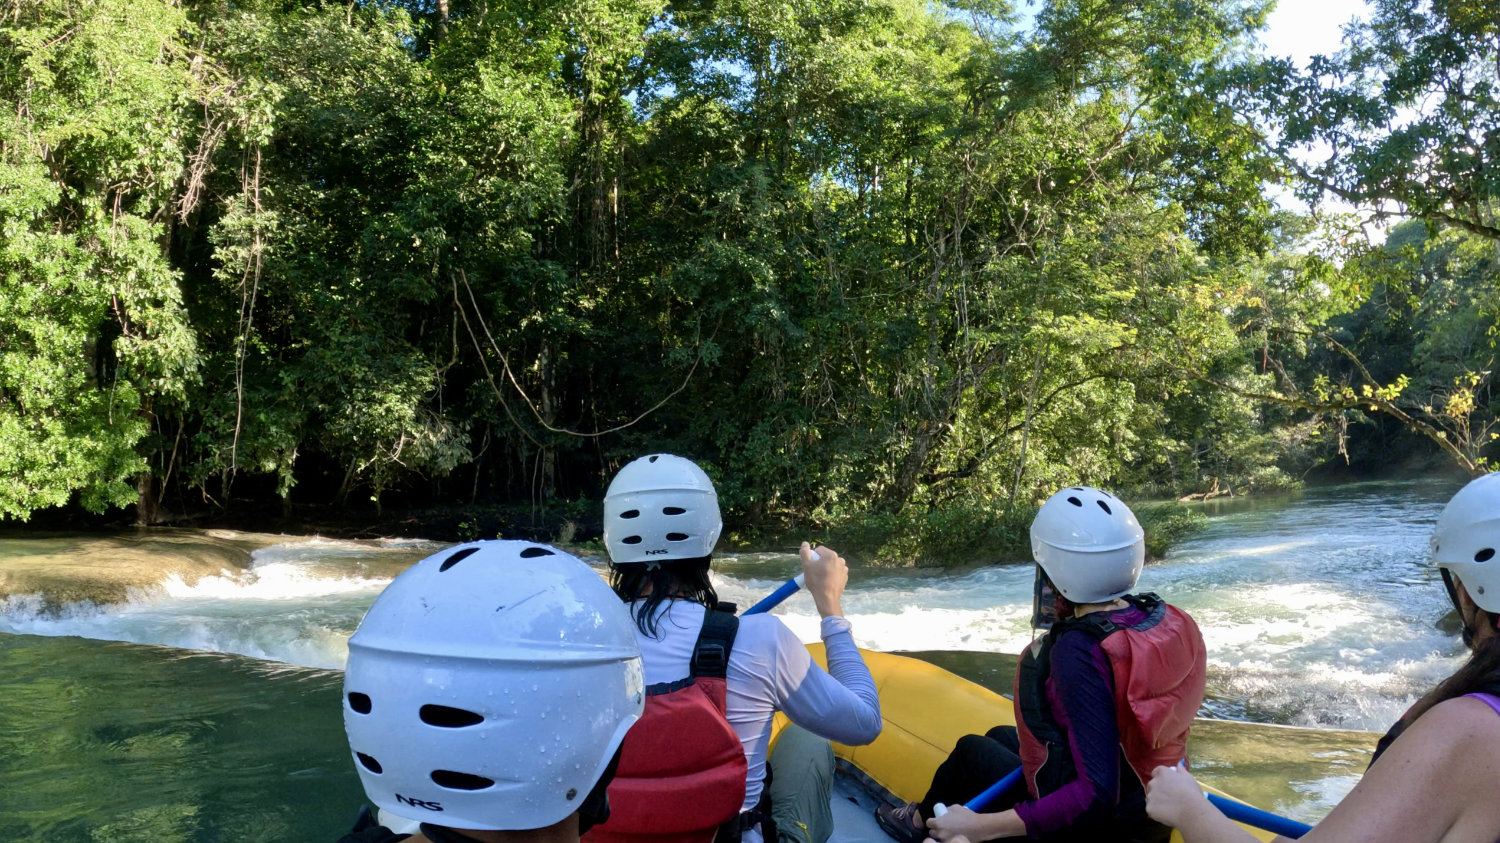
{"x": 695, "y": 768}
{"x": 1433, "y": 777}
{"x": 487, "y": 692}
{"x": 1106, "y": 694}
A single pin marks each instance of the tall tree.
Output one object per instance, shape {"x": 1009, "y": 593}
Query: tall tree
{"x": 94, "y": 340}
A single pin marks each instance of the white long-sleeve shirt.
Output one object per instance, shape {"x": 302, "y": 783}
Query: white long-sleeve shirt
{"x": 769, "y": 671}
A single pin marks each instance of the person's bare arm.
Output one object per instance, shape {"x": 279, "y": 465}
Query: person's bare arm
{"x": 1436, "y": 784}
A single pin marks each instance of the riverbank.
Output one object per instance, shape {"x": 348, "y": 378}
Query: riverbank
{"x": 953, "y": 537}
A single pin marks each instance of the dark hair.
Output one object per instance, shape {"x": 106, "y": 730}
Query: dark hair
{"x": 670, "y": 579}
{"x": 1481, "y": 670}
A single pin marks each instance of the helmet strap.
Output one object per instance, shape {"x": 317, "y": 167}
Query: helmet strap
{"x": 595, "y": 808}
{"x": 443, "y": 834}
{"x": 1458, "y": 606}
{"x": 1044, "y": 601}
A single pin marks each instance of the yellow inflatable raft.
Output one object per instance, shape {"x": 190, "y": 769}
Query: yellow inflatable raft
{"x": 926, "y": 710}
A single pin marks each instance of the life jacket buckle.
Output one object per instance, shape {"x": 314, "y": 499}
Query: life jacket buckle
{"x": 711, "y": 658}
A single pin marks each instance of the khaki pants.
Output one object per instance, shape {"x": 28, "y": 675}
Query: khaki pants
{"x": 801, "y": 786}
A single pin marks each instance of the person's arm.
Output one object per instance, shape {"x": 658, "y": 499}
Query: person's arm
{"x": 840, "y": 704}
{"x": 1174, "y": 798}
{"x": 1438, "y": 777}
{"x": 960, "y": 822}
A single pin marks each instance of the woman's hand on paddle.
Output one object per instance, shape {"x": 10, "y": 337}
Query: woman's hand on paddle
{"x": 959, "y": 823}
{"x": 824, "y": 576}
{"x": 1173, "y": 796}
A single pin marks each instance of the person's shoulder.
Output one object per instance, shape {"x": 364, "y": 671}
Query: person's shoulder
{"x": 1075, "y": 643}
{"x": 1461, "y": 721}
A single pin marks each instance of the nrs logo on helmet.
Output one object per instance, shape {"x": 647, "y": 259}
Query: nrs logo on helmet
{"x": 661, "y": 506}
{"x": 418, "y": 803}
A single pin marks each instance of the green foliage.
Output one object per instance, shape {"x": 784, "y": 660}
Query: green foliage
{"x": 1167, "y": 524}
{"x": 93, "y": 334}
{"x": 886, "y": 265}
{"x": 956, "y": 535}
{"x": 1404, "y": 118}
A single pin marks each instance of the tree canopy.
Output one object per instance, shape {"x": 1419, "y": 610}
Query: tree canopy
{"x": 877, "y": 262}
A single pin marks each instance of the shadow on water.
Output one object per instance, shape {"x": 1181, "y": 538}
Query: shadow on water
{"x": 107, "y": 741}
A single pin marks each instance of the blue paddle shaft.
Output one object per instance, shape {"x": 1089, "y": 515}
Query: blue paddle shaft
{"x": 1242, "y": 813}
{"x": 774, "y": 599}
{"x": 994, "y": 792}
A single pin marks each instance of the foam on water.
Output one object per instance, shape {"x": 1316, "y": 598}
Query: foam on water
{"x": 297, "y": 602}
{"x": 1316, "y": 612}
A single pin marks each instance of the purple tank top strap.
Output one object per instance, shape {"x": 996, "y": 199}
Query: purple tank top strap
{"x": 1488, "y": 699}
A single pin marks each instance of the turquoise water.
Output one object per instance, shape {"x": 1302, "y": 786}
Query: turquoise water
{"x": 108, "y": 741}
{"x": 1319, "y": 610}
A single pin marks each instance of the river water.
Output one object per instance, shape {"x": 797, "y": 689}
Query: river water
{"x": 202, "y": 704}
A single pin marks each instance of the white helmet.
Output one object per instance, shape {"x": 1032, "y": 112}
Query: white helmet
{"x": 660, "y": 507}
{"x": 1467, "y": 538}
{"x": 1089, "y": 543}
{"x": 489, "y": 687}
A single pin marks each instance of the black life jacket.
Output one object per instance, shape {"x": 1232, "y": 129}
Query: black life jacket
{"x": 1490, "y": 686}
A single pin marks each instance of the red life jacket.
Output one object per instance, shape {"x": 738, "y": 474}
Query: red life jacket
{"x": 682, "y": 768}
{"x": 1159, "y": 668}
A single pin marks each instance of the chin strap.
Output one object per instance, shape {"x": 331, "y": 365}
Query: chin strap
{"x": 595, "y": 808}
{"x": 440, "y": 834}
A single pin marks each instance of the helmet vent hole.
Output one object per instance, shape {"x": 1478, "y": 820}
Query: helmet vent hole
{"x": 1104, "y": 506}
{"x": 1485, "y": 555}
{"x": 460, "y": 781}
{"x": 631, "y": 540}
{"x": 369, "y": 763}
{"x": 1075, "y": 501}
{"x": 653, "y": 458}
{"x": 534, "y": 552}
{"x": 631, "y": 513}
{"x": 448, "y": 718}
{"x": 677, "y": 537}
{"x": 359, "y": 702}
{"x": 457, "y": 558}
{"x": 672, "y": 510}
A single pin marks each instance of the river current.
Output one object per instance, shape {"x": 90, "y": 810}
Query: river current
{"x": 1319, "y": 610}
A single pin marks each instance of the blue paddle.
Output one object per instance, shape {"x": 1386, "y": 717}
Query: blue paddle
{"x": 774, "y": 599}
{"x": 1265, "y": 820}
{"x": 1255, "y": 817}
{"x": 1237, "y": 811}
{"x": 993, "y": 792}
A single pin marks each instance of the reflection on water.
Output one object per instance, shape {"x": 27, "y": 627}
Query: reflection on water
{"x": 104, "y": 741}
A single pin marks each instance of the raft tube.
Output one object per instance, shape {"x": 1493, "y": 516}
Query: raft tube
{"x": 926, "y": 710}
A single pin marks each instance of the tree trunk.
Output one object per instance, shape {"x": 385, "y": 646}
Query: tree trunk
{"x": 147, "y": 512}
